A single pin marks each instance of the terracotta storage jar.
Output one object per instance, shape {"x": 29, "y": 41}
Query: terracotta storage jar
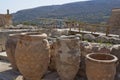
{"x": 116, "y": 51}
{"x": 67, "y": 57}
{"x": 32, "y": 56}
{"x": 10, "y": 48}
{"x": 100, "y": 66}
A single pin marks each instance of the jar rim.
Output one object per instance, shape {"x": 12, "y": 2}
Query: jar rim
{"x": 113, "y": 58}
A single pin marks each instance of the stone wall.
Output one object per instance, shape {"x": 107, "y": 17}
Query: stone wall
{"x": 5, "y": 19}
{"x": 114, "y": 21}
{"x": 3, "y": 38}
{"x": 4, "y": 35}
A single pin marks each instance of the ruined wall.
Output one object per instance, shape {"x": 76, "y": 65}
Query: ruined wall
{"x": 5, "y": 19}
{"x": 114, "y": 21}
{"x": 4, "y": 35}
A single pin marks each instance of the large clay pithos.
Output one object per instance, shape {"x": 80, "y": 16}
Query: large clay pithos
{"x": 100, "y": 66}
{"x": 10, "y": 48}
{"x": 67, "y": 57}
{"x": 116, "y": 51}
{"x": 32, "y": 56}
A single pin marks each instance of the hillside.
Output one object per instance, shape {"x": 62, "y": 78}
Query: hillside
{"x": 95, "y": 11}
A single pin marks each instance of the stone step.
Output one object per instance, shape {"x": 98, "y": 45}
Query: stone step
{"x": 3, "y": 56}
{"x": 7, "y": 73}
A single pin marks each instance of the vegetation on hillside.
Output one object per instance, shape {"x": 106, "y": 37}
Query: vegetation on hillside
{"x": 95, "y": 11}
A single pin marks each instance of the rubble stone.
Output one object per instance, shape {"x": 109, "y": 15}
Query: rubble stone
{"x": 89, "y": 37}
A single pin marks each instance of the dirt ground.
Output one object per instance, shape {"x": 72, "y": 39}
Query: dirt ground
{"x": 6, "y": 73}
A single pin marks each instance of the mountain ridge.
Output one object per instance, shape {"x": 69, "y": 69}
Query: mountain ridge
{"x": 94, "y": 11}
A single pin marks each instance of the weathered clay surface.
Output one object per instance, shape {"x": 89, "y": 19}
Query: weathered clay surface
{"x": 116, "y": 51}
{"x": 100, "y": 66}
{"x": 67, "y": 57}
{"x": 10, "y": 49}
{"x": 32, "y": 56}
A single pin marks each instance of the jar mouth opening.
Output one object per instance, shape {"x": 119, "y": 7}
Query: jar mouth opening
{"x": 100, "y": 57}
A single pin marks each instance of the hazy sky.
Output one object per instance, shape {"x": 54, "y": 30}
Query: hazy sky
{"x": 15, "y": 5}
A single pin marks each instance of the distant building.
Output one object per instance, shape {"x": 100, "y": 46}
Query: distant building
{"x": 5, "y": 19}
{"x": 114, "y": 21}
{"x": 115, "y": 17}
